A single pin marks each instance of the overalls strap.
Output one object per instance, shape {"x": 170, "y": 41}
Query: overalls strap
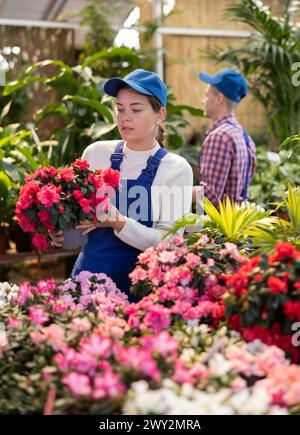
{"x": 149, "y": 172}
{"x": 117, "y": 156}
{"x": 247, "y": 141}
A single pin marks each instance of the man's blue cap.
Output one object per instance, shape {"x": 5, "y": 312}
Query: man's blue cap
{"x": 229, "y": 82}
{"x": 145, "y": 82}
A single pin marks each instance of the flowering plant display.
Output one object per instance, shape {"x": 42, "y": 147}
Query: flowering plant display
{"x": 58, "y": 199}
{"x": 263, "y": 298}
{"x": 181, "y": 281}
{"x": 39, "y": 320}
{"x": 71, "y": 349}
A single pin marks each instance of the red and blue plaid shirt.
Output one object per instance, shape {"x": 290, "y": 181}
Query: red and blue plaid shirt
{"x": 224, "y": 161}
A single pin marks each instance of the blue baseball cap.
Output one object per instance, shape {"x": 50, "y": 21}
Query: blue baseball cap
{"x": 145, "y": 82}
{"x": 229, "y": 82}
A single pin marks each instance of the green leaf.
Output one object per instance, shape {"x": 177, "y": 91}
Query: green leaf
{"x": 6, "y": 109}
{"x": 27, "y": 153}
{"x": 51, "y": 109}
{"x": 94, "y": 104}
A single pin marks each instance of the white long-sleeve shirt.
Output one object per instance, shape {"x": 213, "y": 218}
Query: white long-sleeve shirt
{"x": 171, "y": 191}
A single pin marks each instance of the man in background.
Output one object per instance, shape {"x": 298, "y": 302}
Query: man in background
{"x": 227, "y": 158}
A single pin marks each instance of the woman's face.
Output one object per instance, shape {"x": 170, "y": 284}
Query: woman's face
{"x": 136, "y": 119}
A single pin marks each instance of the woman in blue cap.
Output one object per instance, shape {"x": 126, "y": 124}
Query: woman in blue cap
{"x": 156, "y": 184}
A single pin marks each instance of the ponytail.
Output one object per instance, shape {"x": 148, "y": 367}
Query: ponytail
{"x": 160, "y": 137}
{"x": 161, "y": 131}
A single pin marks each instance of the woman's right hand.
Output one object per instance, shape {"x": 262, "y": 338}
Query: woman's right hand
{"x": 57, "y": 239}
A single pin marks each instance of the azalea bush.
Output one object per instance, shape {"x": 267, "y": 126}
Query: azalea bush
{"x": 74, "y": 349}
{"x": 181, "y": 281}
{"x": 223, "y": 375}
{"x": 38, "y": 321}
{"x": 58, "y": 199}
{"x": 263, "y": 299}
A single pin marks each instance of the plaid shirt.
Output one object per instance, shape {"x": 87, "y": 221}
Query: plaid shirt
{"x": 224, "y": 161}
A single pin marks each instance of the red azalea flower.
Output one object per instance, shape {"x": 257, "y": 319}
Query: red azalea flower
{"x": 285, "y": 251}
{"x": 77, "y": 194}
{"x": 218, "y": 311}
{"x": 81, "y": 164}
{"x": 276, "y": 285}
{"x": 85, "y": 203}
{"x": 65, "y": 174}
{"x": 112, "y": 177}
{"x": 40, "y": 241}
{"x": 258, "y": 277}
{"x": 292, "y": 310}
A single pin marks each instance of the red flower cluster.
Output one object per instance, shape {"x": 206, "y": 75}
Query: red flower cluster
{"x": 264, "y": 298}
{"x": 57, "y": 199}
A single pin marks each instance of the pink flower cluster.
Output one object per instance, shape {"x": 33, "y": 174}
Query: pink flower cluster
{"x": 183, "y": 281}
{"x": 87, "y": 292}
{"x": 57, "y": 199}
{"x": 279, "y": 378}
{"x": 93, "y": 369}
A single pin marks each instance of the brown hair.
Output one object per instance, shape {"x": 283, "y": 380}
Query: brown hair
{"x": 156, "y": 106}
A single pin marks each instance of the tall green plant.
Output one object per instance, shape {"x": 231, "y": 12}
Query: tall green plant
{"x": 267, "y": 58}
{"x": 85, "y": 114}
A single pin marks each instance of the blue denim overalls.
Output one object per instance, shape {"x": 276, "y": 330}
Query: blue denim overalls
{"x": 104, "y": 251}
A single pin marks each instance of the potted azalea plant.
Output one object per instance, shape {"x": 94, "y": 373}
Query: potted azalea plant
{"x": 58, "y": 199}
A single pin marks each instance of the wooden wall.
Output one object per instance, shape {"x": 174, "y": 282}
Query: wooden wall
{"x": 186, "y": 56}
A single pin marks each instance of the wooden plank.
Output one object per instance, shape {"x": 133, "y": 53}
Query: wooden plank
{"x": 21, "y": 257}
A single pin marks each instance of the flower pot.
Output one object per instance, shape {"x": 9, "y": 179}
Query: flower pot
{"x": 4, "y": 241}
{"x": 73, "y": 239}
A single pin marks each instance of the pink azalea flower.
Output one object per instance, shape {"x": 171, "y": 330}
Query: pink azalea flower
{"x": 13, "y": 323}
{"x": 78, "y": 384}
{"x": 96, "y": 346}
{"x": 192, "y": 260}
{"x": 55, "y": 336}
{"x": 38, "y": 315}
{"x": 108, "y": 385}
{"x": 157, "y": 317}
{"x": 49, "y": 195}
{"x": 162, "y": 343}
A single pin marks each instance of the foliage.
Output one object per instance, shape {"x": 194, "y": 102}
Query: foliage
{"x": 268, "y": 59}
{"x": 231, "y": 223}
{"x": 287, "y": 230}
{"x": 265, "y": 190}
{"x": 19, "y": 156}
{"x": 85, "y": 114}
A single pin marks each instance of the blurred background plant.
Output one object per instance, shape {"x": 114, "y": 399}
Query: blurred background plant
{"x": 273, "y": 172}
{"x": 268, "y": 60}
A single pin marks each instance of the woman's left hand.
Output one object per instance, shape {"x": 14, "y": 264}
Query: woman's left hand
{"x": 111, "y": 219}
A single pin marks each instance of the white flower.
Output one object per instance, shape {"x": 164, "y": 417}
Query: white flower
{"x": 251, "y": 402}
{"x": 219, "y": 365}
{"x": 187, "y": 355}
{"x": 8, "y": 292}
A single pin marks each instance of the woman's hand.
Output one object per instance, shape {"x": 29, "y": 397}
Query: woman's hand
{"x": 111, "y": 219}
{"x": 57, "y": 239}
